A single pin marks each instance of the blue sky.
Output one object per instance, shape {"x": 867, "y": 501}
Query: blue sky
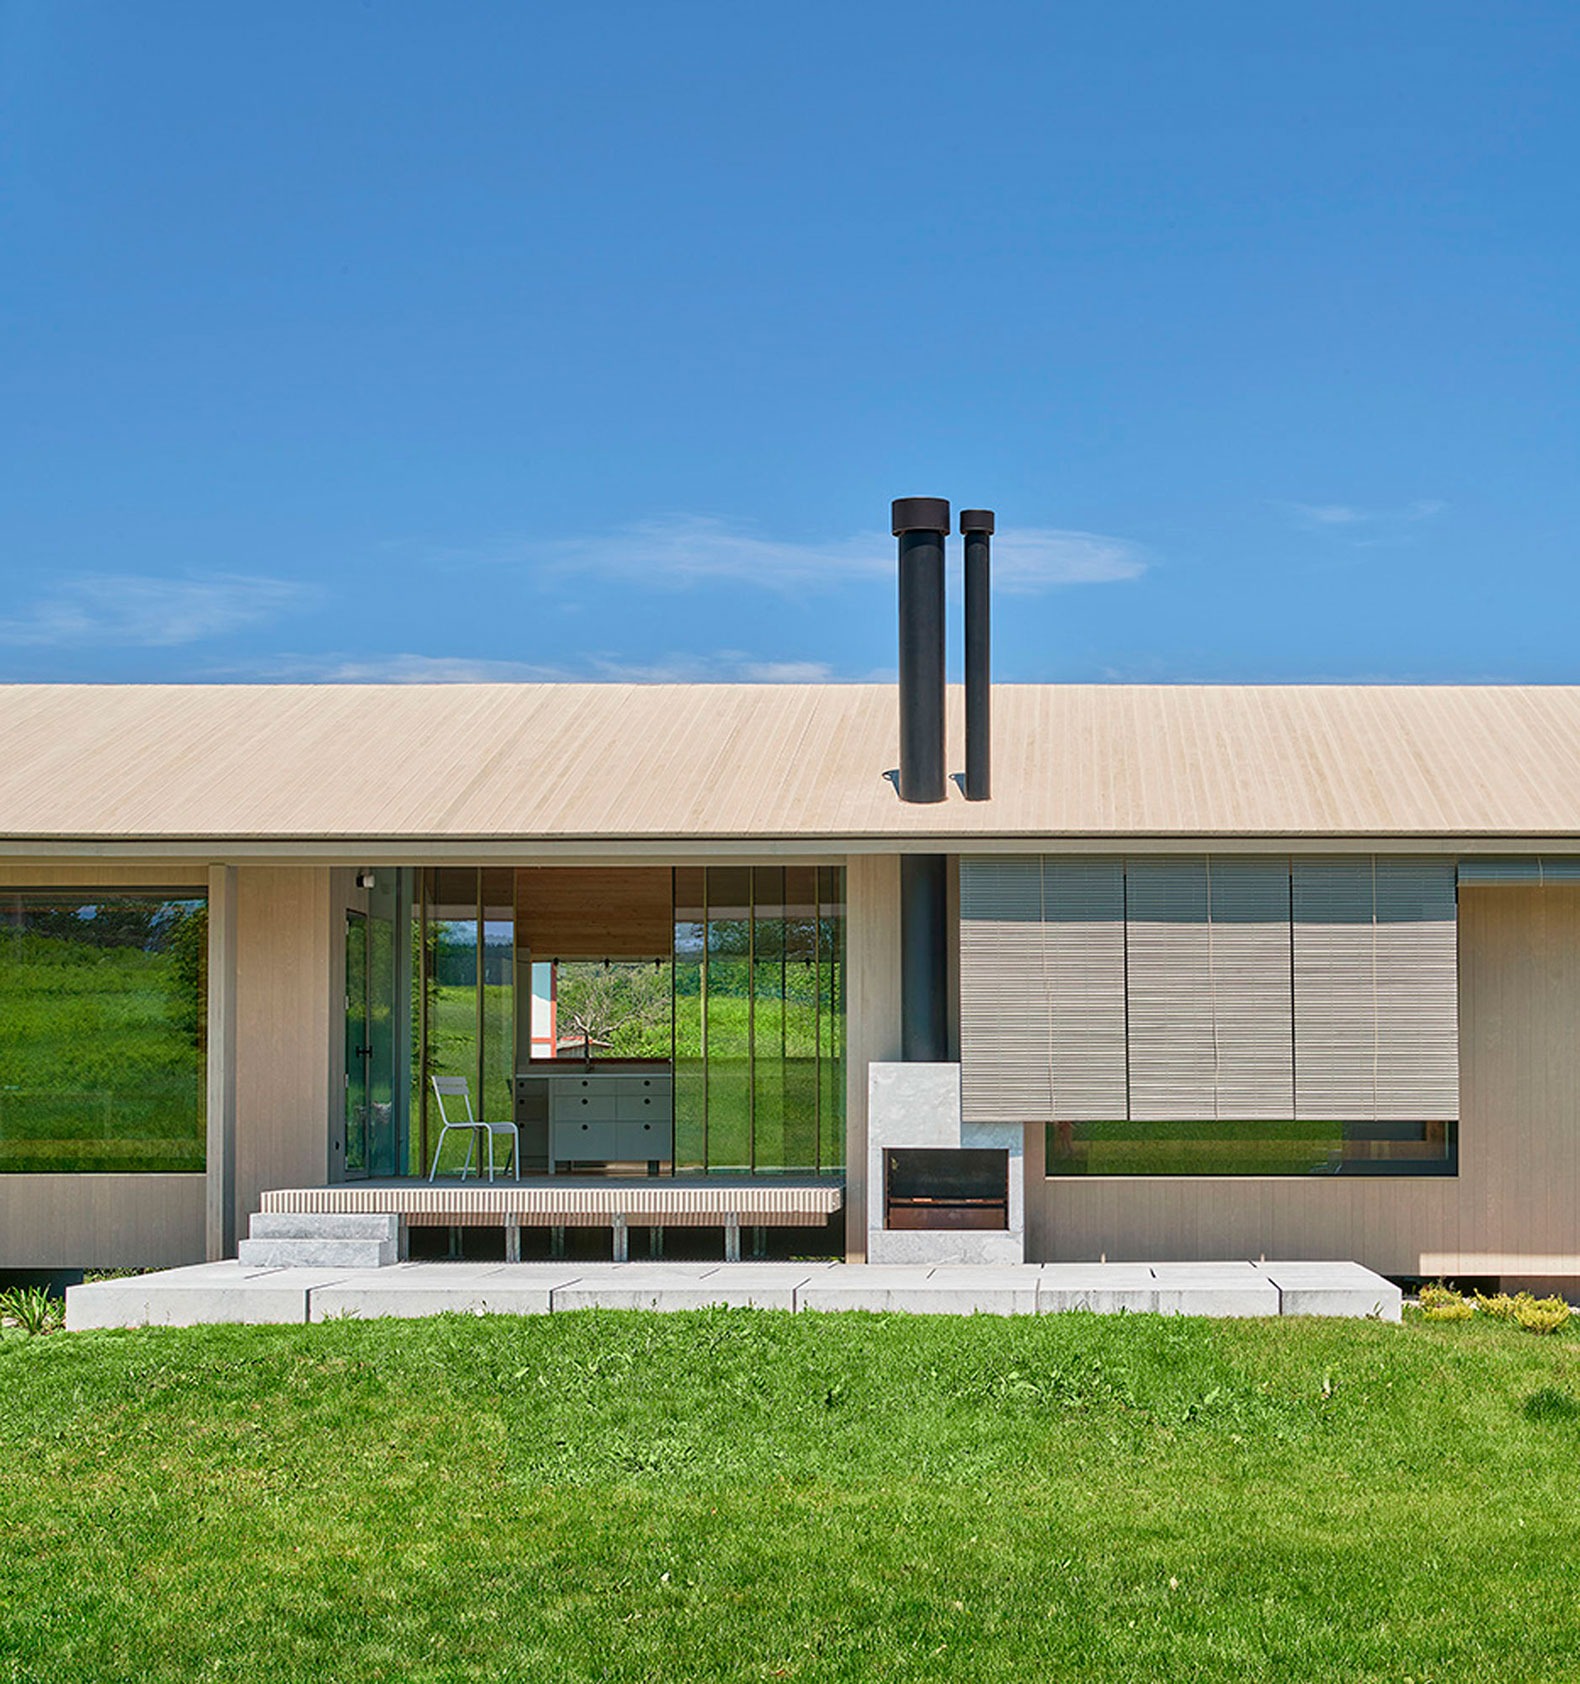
{"x": 505, "y": 340}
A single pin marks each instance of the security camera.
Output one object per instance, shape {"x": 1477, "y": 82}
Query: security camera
{"x": 366, "y": 880}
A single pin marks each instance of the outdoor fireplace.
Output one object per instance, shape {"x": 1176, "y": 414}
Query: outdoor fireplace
{"x": 931, "y": 1187}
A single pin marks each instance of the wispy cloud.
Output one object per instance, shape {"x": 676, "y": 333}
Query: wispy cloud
{"x": 678, "y": 551}
{"x": 1349, "y": 515}
{"x": 728, "y": 666}
{"x": 131, "y": 610}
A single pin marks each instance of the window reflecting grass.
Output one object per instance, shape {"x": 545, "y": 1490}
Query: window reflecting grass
{"x": 1217, "y": 1147}
{"x": 103, "y": 1032}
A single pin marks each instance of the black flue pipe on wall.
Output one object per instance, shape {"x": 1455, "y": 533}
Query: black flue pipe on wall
{"x": 922, "y": 525}
{"x": 924, "y": 959}
{"x": 976, "y": 526}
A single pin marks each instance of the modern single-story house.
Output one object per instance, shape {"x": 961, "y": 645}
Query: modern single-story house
{"x": 1170, "y": 972}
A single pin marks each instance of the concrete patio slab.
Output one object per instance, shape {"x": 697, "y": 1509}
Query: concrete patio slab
{"x": 238, "y": 1292}
{"x": 1334, "y": 1289}
{"x": 1214, "y": 1289}
{"x": 758, "y": 1286}
{"x": 427, "y": 1289}
{"x": 1106, "y": 1289}
{"x": 201, "y": 1293}
{"x": 917, "y": 1289}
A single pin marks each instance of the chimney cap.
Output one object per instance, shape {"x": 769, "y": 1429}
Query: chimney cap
{"x": 976, "y": 520}
{"x": 920, "y": 514}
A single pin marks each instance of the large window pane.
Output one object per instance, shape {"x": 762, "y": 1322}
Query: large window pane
{"x": 498, "y": 1014}
{"x": 451, "y": 931}
{"x": 831, "y": 1017}
{"x": 768, "y": 1018}
{"x": 727, "y": 1028}
{"x": 103, "y": 1031}
{"x": 691, "y": 1086}
{"x": 1219, "y": 1147}
{"x": 800, "y": 1019}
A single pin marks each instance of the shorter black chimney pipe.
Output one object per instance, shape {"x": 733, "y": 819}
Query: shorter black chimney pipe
{"x": 922, "y": 525}
{"x": 976, "y": 526}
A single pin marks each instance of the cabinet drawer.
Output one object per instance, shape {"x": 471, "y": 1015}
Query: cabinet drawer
{"x": 586, "y": 1141}
{"x": 642, "y": 1108}
{"x": 645, "y": 1141}
{"x": 584, "y": 1087}
{"x": 572, "y": 1109}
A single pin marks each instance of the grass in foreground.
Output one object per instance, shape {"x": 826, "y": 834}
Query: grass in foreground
{"x": 754, "y": 1496}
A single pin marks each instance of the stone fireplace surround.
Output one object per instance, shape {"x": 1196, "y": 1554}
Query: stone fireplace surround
{"x": 918, "y": 1105}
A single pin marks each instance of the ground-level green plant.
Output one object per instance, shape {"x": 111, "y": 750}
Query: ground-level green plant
{"x": 750, "y": 1495}
{"x": 1443, "y": 1303}
{"x": 33, "y": 1309}
{"x": 1535, "y": 1315}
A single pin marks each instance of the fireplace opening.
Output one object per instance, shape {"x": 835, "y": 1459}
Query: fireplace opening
{"x": 931, "y": 1187}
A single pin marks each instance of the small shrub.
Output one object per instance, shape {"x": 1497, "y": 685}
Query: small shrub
{"x": 1540, "y": 1315}
{"x": 1442, "y": 1303}
{"x": 32, "y": 1309}
{"x": 1535, "y": 1315}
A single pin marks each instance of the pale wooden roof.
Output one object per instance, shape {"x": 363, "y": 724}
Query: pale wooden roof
{"x": 611, "y": 761}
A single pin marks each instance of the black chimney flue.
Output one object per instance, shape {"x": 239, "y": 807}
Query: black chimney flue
{"x": 976, "y": 526}
{"x": 922, "y": 525}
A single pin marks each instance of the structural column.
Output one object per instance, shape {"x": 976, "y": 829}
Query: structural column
{"x": 220, "y": 1146}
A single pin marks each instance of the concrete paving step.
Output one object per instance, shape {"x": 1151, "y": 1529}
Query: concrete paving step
{"x": 323, "y": 1225}
{"x": 313, "y": 1253}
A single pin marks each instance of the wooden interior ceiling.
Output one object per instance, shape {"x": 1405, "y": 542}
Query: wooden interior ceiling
{"x": 595, "y": 912}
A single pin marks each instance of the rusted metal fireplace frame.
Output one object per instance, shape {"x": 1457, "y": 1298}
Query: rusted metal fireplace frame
{"x": 935, "y": 1188}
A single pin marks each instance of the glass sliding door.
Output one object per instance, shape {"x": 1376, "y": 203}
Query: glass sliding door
{"x": 727, "y": 1017}
{"x": 800, "y": 1053}
{"x": 496, "y": 994}
{"x": 689, "y": 1055}
{"x": 464, "y": 987}
{"x": 759, "y": 1019}
{"x": 370, "y": 1123}
{"x": 354, "y": 1137}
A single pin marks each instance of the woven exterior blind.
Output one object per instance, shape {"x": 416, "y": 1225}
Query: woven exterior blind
{"x": 1209, "y": 992}
{"x": 1376, "y": 989}
{"x": 1198, "y": 987}
{"x": 1042, "y": 988}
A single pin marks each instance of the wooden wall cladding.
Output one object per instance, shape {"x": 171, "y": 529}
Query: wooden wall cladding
{"x": 595, "y": 912}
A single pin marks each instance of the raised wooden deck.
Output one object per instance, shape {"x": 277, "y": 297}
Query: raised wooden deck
{"x": 581, "y": 1201}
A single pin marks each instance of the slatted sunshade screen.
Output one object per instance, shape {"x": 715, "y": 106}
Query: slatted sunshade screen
{"x": 1191, "y": 987}
{"x": 1376, "y": 989}
{"x": 1208, "y": 988}
{"x": 1042, "y": 988}
{"x": 1528, "y": 871}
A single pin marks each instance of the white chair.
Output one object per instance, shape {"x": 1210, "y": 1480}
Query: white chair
{"x": 456, "y": 1087}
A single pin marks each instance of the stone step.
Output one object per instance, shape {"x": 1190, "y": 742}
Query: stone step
{"x": 308, "y": 1252}
{"x": 323, "y": 1225}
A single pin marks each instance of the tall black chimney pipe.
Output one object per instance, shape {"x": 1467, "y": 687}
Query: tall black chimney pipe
{"x": 976, "y": 525}
{"x": 921, "y": 524}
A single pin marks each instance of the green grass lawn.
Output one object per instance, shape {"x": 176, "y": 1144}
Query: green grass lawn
{"x": 740, "y": 1495}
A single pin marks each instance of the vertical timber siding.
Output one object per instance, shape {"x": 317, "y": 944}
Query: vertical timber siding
{"x": 872, "y": 1014}
{"x": 286, "y": 940}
